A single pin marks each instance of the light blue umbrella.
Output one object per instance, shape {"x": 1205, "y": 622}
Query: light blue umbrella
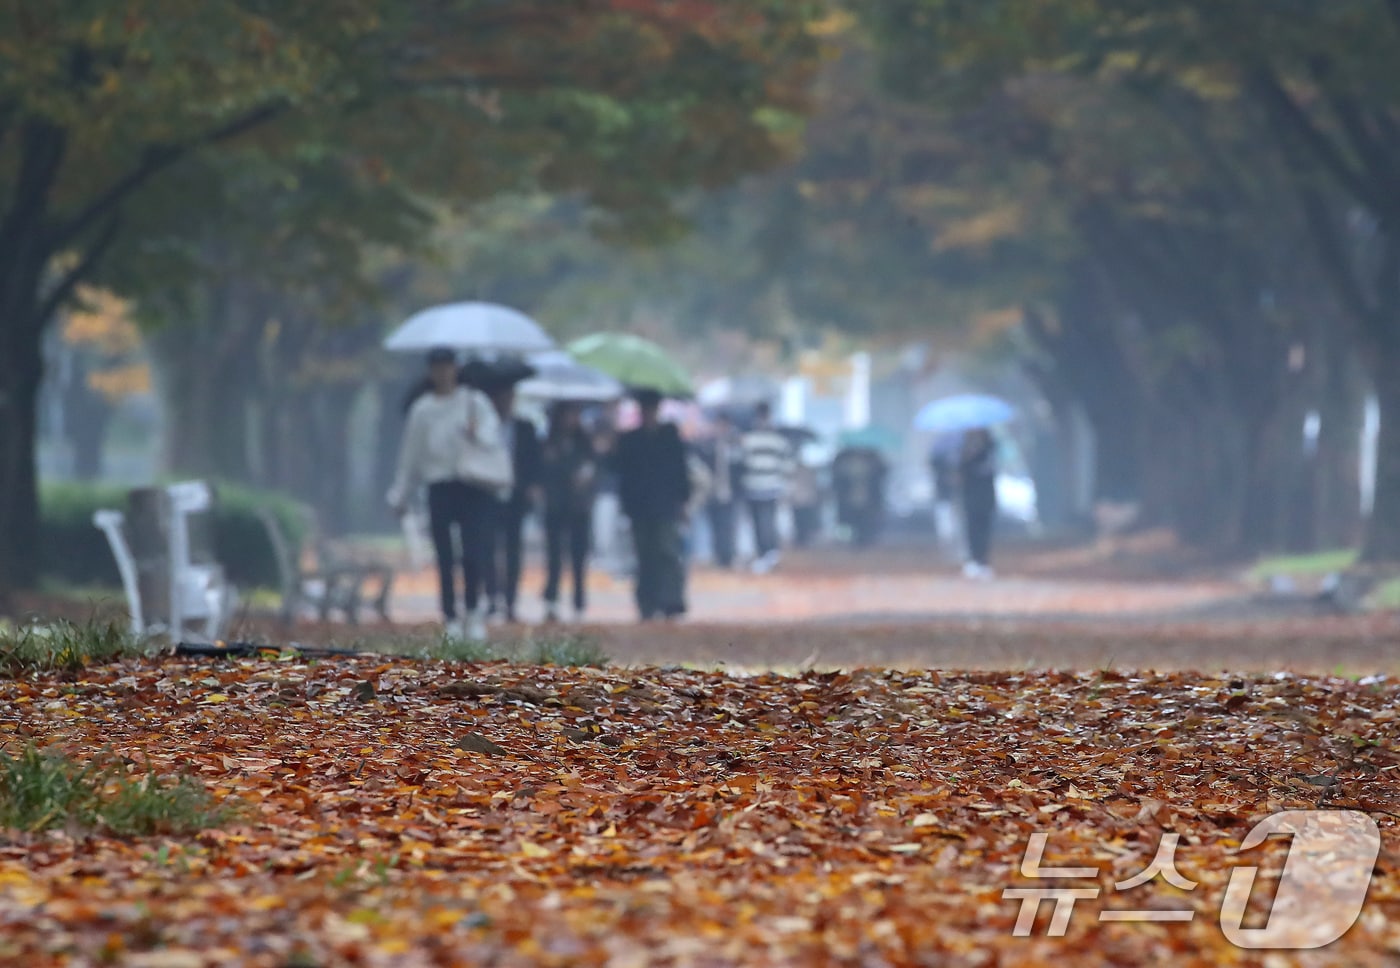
{"x": 964, "y": 412}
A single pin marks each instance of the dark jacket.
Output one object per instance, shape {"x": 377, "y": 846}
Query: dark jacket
{"x": 653, "y": 479}
{"x": 569, "y": 472}
{"x": 977, "y": 474}
{"x": 527, "y": 459}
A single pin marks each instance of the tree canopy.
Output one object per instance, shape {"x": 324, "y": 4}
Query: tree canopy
{"x": 145, "y": 127}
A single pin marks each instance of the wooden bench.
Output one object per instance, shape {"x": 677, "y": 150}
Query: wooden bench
{"x": 332, "y": 585}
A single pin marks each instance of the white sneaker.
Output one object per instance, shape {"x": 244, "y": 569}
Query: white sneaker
{"x": 476, "y": 628}
{"x": 970, "y": 569}
{"x": 551, "y": 614}
{"x": 454, "y": 631}
{"x": 579, "y": 616}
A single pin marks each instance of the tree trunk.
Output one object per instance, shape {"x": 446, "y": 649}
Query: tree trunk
{"x": 190, "y": 433}
{"x": 20, "y": 377}
{"x": 1117, "y": 452}
{"x": 388, "y": 437}
{"x": 1338, "y": 487}
{"x": 86, "y": 416}
{"x": 331, "y": 499}
{"x": 21, "y": 373}
{"x": 1383, "y": 529}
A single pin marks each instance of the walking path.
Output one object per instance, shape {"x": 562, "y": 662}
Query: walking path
{"x": 742, "y": 599}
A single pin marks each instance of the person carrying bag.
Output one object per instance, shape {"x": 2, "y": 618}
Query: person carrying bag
{"x": 452, "y": 443}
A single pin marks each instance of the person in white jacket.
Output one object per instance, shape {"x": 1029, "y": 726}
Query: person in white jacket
{"x": 441, "y": 425}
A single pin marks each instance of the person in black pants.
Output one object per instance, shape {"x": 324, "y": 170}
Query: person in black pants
{"x": 569, "y": 474}
{"x": 977, "y": 470}
{"x": 654, "y": 485}
{"x": 469, "y": 509}
{"x": 440, "y": 420}
{"x": 503, "y": 578}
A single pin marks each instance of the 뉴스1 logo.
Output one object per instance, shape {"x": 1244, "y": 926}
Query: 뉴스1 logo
{"x": 1320, "y": 895}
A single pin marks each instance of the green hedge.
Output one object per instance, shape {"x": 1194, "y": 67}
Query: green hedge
{"x": 75, "y": 552}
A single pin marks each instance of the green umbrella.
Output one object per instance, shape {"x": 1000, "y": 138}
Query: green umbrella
{"x": 631, "y": 360}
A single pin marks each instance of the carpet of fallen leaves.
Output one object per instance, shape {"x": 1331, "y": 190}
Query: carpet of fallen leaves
{"x": 411, "y": 813}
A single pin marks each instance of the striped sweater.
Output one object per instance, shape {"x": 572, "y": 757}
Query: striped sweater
{"x": 768, "y": 464}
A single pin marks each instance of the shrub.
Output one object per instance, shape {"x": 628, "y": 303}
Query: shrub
{"x": 75, "y": 552}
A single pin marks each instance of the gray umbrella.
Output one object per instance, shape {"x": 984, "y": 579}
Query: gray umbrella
{"x": 558, "y": 376}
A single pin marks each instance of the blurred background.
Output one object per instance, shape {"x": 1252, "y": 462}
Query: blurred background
{"x": 1167, "y": 234}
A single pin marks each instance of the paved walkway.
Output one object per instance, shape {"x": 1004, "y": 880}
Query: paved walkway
{"x": 803, "y": 596}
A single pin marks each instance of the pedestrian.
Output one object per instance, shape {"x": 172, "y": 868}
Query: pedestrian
{"x": 806, "y": 496}
{"x": 724, "y": 457}
{"x": 654, "y": 487}
{"x": 522, "y": 443}
{"x": 977, "y": 476}
{"x": 859, "y": 475}
{"x": 701, "y": 484}
{"x": 609, "y": 545}
{"x": 569, "y": 473}
{"x": 452, "y": 444}
{"x": 943, "y": 463}
{"x": 768, "y": 468}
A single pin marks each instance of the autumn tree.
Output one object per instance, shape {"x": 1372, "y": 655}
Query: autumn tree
{"x": 1165, "y": 137}
{"x": 99, "y": 108}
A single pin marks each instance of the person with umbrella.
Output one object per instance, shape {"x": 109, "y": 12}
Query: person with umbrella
{"x": 858, "y": 474}
{"x": 977, "y": 473}
{"x": 522, "y": 442}
{"x": 943, "y": 464}
{"x": 654, "y": 487}
{"x": 452, "y": 444}
{"x": 962, "y": 425}
{"x": 569, "y": 473}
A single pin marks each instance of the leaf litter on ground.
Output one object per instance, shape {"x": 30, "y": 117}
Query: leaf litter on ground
{"x": 400, "y": 812}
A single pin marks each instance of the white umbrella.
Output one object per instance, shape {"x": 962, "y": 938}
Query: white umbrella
{"x": 558, "y": 376}
{"x": 472, "y": 326}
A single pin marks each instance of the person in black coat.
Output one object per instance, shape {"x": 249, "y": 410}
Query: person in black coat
{"x": 654, "y": 487}
{"x": 977, "y": 473}
{"x": 569, "y": 478}
{"x": 523, "y": 442}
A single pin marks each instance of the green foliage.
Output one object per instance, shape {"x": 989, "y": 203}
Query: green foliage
{"x": 1314, "y": 565}
{"x": 64, "y": 647}
{"x": 42, "y": 790}
{"x": 449, "y": 649}
{"x": 151, "y": 805}
{"x": 75, "y": 552}
{"x": 568, "y": 651}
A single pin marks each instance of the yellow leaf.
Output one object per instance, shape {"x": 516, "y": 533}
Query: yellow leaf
{"x": 215, "y": 697}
